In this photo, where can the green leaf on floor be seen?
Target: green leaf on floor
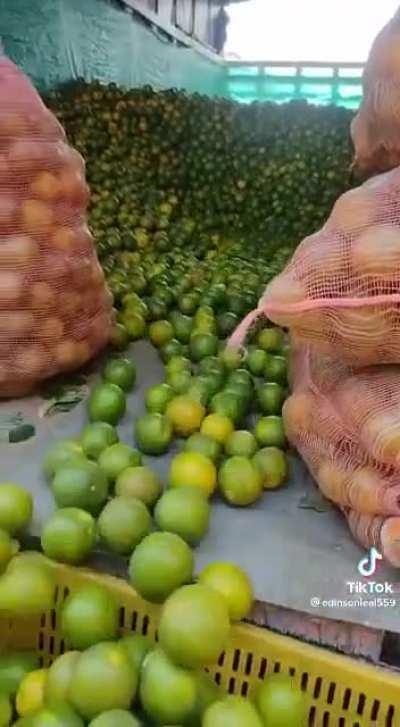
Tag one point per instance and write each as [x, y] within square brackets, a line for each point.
[314, 500]
[64, 399]
[14, 428]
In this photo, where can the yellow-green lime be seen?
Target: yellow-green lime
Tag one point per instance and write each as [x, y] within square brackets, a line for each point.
[59, 677]
[192, 469]
[153, 434]
[269, 431]
[107, 403]
[137, 647]
[120, 371]
[241, 443]
[273, 465]
[69, 535]
[184, 511]
[233, 711]
[16, 508]
[116, 458]
[270, 339]
[96, 437]
[80, 485]
[160, 332]
[270, 398]
[233, 584]
[167, 692]
[89, 615]
[115, 718]
[281, 703]
[59, 454]
[159, 565]
[240, 481]
[185, 415]
[205, 445]
[123, 523]
[139, 482]
[157, 398]
[218, 427]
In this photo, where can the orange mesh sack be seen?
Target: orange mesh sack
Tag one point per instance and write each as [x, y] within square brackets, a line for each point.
[55, 310]
[341, 289]
[346, 426]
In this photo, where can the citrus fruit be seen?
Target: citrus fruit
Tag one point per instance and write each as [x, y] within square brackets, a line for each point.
[270, 339]
[122, 372]
[233, 584]
[241, 443]
[84, 486]
[218, 427]
[54, 715]
[179, 381]
[139, 482]
[280, 703]
[14, 665]
[157, 398]
[96, 437]
[212, 365]
[184, 511]
[137, 647]
[232, 712]
[207, 693]
[270, 398]
[115, 718]
[205, 445]
[275, 369]
[256, 360]
[192, 469]
[116, 458]
[269, 431]
[89, 615]
[160, 332]
[153, 433]
[185, 415]
[240, 376]
[119, 337]
[273, 465]
[123, 524]
[227, 323]
[227, 404]
[178, 363]
[16, 507]
[107, 403]
[6, 710]
[27, 587]
[59, 454]
[171, 349]
[161, 563]
[8, 548]
[167, 692]
[103, 680]
[30, 695]
[59, 677]
[199, 390]
[194, 626]
[240, 481]
[182, 326]
[202, 345]
[69, 535]
[231, 358]
[134, 324]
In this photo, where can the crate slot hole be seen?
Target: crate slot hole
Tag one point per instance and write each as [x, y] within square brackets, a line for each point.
[43, 620]
[145, 625]
[326, 720]
[342, 722]
[232, 685]
[346, 699]
[317, 687]
[62, 646]
[292, 671]
[312, 716]
[248, 665]
[331, 693]
[51, 645]
[390, 717]
[277, 667]
[121, 617]
[375, 709]
[236, 660]
[245, 689]
[221, 659]
[66, 593]
[134, 621]
[53, 617]
[218, 679]
[361, 704]
[41, 641]
[263, 668]
[304, 681]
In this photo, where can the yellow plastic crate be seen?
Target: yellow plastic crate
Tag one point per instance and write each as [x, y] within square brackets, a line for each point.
[342, 692]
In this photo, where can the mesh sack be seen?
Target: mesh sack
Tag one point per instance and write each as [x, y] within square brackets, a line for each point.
[55, 310]
[341, 290]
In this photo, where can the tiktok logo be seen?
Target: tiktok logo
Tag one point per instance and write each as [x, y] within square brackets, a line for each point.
[367, 566]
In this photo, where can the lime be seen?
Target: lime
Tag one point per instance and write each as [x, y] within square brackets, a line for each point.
[192, 469]
[203, 444]
[178, 363]
[59, 454]
[137, 648]
[16, 507]
[123, 523]
[240, 481]
[54, 715]
[269, 431]
[188, 303]
[212, 365]
[30, 695]
[116, 458]
[227, 323]
[161, 563]
[27, 587]
[182, 326]
[157, 308]
[179, 381]
[240, 377]
[270, 398]
[157, 397]
[218, 427]
[8, 548]
[256, 360]
[121, 371]
[89, 615]
[84, 486]
[232, 711]
[153, 433]
[59, 677]
[194, 626]
[185, 512]
[6, 710]
[171, 349]
[228, 405]
[275, 369]
[185, 415]
[273, 465]
[167, 692]
[139, 482]
[231, 358]
[107, 403]
[270, 339]
[199, 390]
[69, 535]
[13, 667]
[233, 584]
[119, 337]
[160, 333]
[114, 718]
[207, 693]
[280, 703]
[241, 443]
[202, 345]
[96, 437]
[134, 324]
[103, 680]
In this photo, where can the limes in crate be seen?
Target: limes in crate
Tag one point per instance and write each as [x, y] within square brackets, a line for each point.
[116, 718]
[69, 535]
[116, 458]
[107, 403]
[59, 677]
[16, 507]
[192, 469]
[167, 692]
[27, 587]
[233, 584]
[137, 647]
[89, 615]
[273, 465]
[14, 665]
[161, 563]
[8, 548]
[185, 512]
[123, 523]
[232, 711]
[96, 437]
[31, 692]
[122, 372]
[240, 481]
[153, 434]
[5, 710]
[139, 482]
[281, 703]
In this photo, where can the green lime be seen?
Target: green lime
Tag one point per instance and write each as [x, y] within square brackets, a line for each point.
[184, 511]
[137, 648]
[205, 445]
[59, 677]
[270, 398]
[27, 588]
[281, 703]
[157, 398]
[270, 339]
[139, 482]
[69, 535]
[256, 360]
[14, 665]
[54, 715]
[120, 371]
[89, 615]
[269, 431]
[233, 711]
[170, 350]
[192, 469]
[8, 548]
[241, 443]
[16, 508]
[188, 303]
[202, 345]
[228, 405]
[233, 584]
[159, 565]
[185, 414]
[116, 458]
[212, 365]
[160, 333]
[115, 718]
[119, 337]
[231, 358]
[167, 692]
[240, 481]
[178, 363]
[107, 403]
[182, 326]
[227, 323]
[153, 434]
[273, 465]
[123, 523]
[275, 369]
[96, 437]
[179, 381]
[135, 325]
[59, 454]
[84, 486]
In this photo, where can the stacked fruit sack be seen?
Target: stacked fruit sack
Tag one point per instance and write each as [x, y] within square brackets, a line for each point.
[55, 311]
